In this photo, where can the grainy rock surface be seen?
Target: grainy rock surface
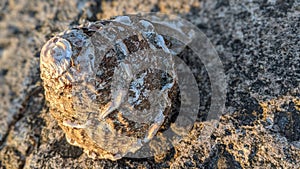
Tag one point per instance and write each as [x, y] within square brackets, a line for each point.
[258, 43]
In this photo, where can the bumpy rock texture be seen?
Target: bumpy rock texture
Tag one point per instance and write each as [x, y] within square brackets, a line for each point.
[258, 43]
[100, 78]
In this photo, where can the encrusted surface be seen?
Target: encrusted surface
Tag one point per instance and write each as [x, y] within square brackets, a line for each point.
[257, 41]
[108, 83]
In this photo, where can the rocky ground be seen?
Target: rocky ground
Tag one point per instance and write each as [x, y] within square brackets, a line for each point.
[257, 41]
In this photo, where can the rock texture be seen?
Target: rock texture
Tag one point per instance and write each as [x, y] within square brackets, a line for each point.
[107, 94]
[258, 43]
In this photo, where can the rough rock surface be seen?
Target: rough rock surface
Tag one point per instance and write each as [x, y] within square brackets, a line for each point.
[257, 41]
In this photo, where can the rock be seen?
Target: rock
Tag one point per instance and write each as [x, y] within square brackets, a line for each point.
[257, 42]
